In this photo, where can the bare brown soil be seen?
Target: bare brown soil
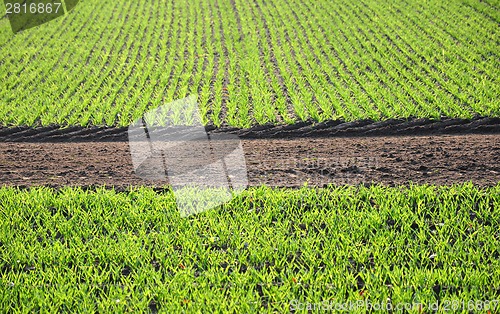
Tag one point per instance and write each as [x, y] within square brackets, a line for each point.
[290, 162]
[309, 129]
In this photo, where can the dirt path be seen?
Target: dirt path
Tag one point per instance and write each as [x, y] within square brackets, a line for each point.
[439, 159]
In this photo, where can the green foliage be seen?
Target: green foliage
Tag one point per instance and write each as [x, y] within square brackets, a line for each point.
[101, 250]
[108, 62]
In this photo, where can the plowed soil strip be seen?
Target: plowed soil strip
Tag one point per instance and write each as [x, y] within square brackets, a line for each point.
[440, 159]
[479, 125]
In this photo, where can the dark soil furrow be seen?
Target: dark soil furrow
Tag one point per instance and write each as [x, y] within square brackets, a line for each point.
[415, 126]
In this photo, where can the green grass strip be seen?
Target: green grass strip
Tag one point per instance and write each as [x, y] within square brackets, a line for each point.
[101, 250]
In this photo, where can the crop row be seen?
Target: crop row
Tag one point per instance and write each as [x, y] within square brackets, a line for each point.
[258, 62]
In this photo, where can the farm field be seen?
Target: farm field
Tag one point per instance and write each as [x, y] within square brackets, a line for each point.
[277, 62]
[70, 249]
[370, 132]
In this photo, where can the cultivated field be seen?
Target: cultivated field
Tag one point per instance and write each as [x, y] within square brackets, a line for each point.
[370, 130]
[73, 250]
[252, 63]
